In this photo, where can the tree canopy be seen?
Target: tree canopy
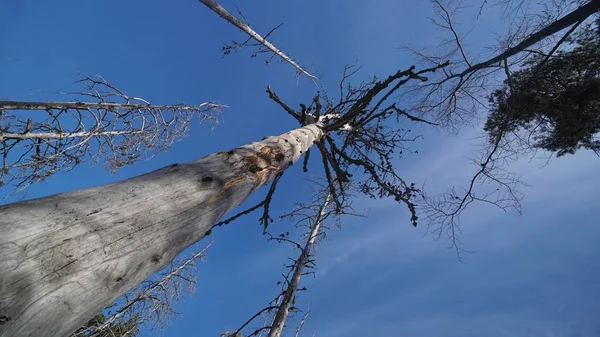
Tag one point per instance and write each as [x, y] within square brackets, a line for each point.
[554, 98]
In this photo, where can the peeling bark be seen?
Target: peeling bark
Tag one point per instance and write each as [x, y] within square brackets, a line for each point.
[65, 257]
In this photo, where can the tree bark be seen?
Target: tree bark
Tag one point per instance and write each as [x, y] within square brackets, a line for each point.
[65, 257]
[160, 290]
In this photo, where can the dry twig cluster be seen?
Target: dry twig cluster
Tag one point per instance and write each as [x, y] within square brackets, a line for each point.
[111, 127]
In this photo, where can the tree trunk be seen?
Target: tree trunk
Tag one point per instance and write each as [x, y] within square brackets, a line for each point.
[65, 257]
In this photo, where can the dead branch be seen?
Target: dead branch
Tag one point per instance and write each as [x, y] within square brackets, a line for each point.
[290, 293]
[360, 135]
[222, 12]
[443, 212]
[311, 216]
[265, 204]
[116, 129]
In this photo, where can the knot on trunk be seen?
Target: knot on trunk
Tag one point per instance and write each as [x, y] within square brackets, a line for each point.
[264, 163]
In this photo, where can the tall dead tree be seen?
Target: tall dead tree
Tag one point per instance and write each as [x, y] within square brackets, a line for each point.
[289, 296]
[310, 220]
[222, 12]
[69, 255]
[300, 264]
[65, 257]
[38, 139]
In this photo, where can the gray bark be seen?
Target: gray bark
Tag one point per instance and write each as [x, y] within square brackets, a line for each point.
[65, 257]
[159, 296]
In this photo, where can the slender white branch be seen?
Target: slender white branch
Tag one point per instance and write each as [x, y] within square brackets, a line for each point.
[17, 105]
[215, 7]
[50, 135]
[290, 293]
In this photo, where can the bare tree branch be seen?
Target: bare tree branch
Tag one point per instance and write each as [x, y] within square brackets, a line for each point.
[310, 216]
[290, 293]
[117, 129]
[215, 7]
[265, 204]
[459, 93]
[576, 16]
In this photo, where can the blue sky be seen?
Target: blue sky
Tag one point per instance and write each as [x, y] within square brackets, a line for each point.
[533, 274]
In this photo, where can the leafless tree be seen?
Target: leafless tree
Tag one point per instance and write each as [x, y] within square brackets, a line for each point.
[140, 224]
[112, 128]
[309, 218]
[222, 12]
[69, 255]
[303, 261]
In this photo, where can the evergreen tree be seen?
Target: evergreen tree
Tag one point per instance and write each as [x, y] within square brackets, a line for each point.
[554, 98]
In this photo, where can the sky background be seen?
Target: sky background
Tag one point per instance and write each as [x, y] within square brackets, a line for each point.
[534, 274]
